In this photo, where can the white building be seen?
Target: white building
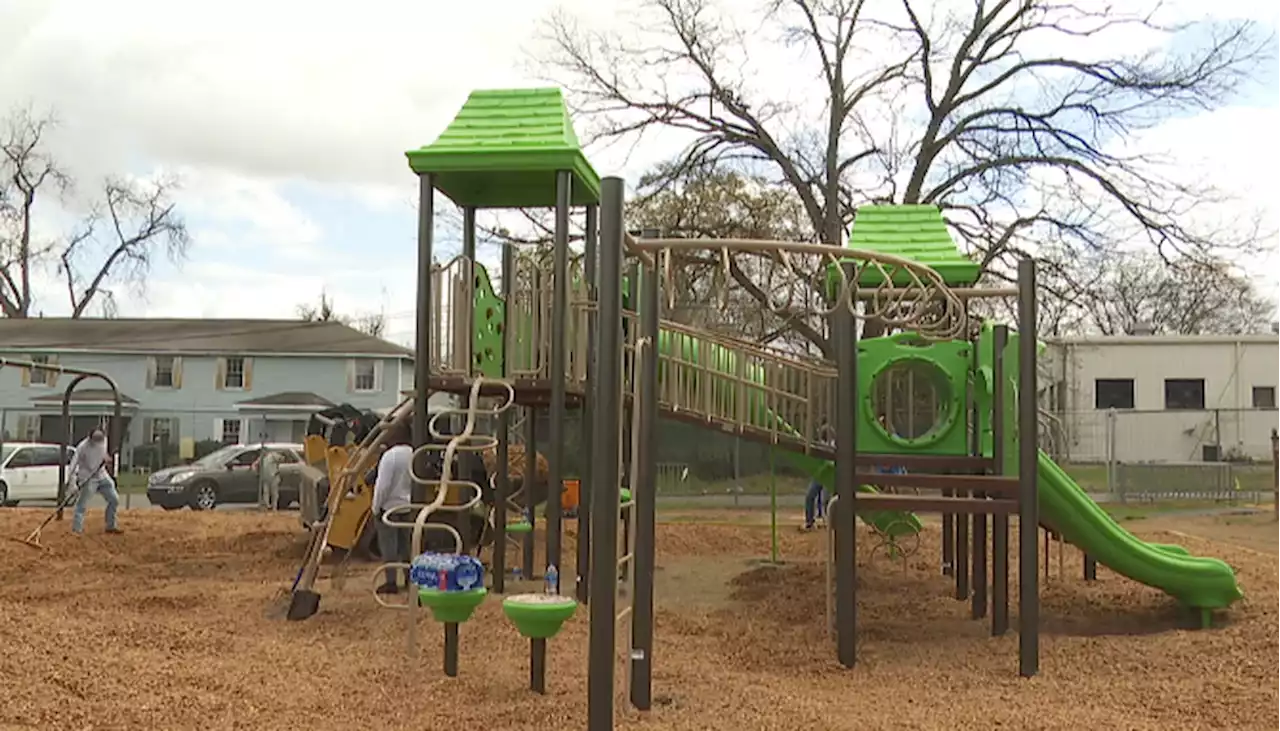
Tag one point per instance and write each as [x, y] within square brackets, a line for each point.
[1176, 398]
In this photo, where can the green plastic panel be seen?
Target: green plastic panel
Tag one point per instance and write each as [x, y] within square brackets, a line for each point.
[486, 347]
[503, 150]
[948, 362]
[915, 232]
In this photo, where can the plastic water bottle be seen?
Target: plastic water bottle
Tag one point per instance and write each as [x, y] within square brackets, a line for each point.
[552, 580]
[469, 574]
[448, 572]
[418, 572]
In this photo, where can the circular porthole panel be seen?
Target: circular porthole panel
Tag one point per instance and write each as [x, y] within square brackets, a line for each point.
[911, 401]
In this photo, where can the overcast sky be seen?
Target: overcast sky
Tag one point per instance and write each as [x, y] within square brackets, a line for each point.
[288, 123]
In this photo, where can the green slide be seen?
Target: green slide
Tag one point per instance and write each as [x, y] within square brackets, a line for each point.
[1203, 583]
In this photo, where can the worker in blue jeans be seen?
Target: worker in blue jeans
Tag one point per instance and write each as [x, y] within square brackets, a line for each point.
[815, 500]
[90, 471]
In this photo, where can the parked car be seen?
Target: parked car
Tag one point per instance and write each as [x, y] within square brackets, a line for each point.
[224, 476]
[29, 471]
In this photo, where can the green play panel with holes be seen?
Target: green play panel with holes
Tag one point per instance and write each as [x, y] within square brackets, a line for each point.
[490, 311]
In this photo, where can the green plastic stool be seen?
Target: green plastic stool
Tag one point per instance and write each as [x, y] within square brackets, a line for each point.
[452, 607]
[539, 616]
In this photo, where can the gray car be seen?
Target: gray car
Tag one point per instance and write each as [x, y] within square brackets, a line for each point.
[224, 476]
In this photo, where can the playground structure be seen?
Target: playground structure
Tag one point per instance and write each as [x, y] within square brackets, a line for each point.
[574, 333]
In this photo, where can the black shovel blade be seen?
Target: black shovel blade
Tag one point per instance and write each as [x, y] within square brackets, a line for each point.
[302, 605]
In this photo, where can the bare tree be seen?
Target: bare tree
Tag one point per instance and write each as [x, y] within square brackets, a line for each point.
[710, 202]
[113, 247]
[990, 113]
[1186, 297]
[325, 311]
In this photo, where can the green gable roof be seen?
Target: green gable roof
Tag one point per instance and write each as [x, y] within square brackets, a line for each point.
[503, 150]
[913, 232]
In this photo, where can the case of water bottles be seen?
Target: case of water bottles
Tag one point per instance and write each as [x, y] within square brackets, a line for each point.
[447, 572]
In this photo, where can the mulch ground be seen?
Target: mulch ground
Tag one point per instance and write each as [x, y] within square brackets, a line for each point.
[175, 625]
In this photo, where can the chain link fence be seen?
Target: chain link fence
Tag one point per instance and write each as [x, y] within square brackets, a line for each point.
[1217, 455]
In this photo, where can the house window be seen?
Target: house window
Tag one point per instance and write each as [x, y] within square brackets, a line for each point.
[230, 431]
[163, 367]
[162, 430]
[233, 375]
[366, 375]
[28, 428]
[1184, 393]
[39, 376]
[1264, 397]
[1113, 393]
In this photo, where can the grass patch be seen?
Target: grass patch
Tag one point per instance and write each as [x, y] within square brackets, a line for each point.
[131, 482]
[1138, 511]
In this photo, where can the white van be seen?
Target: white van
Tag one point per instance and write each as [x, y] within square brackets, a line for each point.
[29, 471]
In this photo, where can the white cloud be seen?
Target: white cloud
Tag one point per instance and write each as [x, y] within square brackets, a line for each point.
[256, 204]
[329, 94]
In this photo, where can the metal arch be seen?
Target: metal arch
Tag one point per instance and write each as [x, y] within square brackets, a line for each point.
[82, 374]
[113, 437]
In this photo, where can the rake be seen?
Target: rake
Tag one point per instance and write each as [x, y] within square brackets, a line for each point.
[33, 539]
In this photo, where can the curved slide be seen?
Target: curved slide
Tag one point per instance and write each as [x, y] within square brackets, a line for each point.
[1203, 583]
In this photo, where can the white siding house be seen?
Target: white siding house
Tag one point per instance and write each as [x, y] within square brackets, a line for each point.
[184, 382]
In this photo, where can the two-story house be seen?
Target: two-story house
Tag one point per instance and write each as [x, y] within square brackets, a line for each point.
[187, 381]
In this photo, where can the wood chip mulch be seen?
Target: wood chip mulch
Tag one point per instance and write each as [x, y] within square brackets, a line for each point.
[176, 625]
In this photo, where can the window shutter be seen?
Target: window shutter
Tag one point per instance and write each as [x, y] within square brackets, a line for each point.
[148, 434]
[151, 375]
[377, 375]
[351, 375]
[217, 430]
[248, 378]
[220, 382]
[26, 377]
[177, 374]
[51, 377]
[23, 426]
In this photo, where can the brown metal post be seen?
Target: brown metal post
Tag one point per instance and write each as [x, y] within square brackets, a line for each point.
[999, 523]
[1275, 474]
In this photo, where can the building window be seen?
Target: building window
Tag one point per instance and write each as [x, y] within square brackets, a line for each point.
[230, 431]
[1113, 393]
[39, 376]
[28, 428]
[1264, 397]
[233, 374]
[366, 375]
[162, 372]
[162, 430]
[1184, 393]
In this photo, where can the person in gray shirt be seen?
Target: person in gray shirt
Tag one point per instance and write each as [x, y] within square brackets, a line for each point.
[91, 470]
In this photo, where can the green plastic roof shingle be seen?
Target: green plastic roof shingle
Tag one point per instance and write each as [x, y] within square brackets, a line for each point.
[503, 150]
[916, 232]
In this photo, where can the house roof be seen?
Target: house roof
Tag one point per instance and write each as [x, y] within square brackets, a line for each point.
[85, 395]
[182, 336]
[289, 398]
